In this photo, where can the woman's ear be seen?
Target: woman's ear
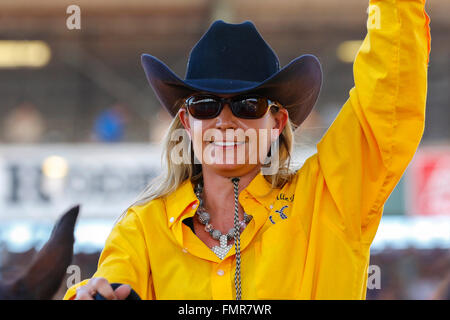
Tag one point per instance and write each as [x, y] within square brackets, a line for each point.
[281, 118]
[184, 119]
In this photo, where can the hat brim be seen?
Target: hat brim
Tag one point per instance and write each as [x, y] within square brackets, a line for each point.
[296, 86]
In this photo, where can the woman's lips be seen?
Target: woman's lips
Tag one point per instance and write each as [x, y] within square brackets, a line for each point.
[227, 144]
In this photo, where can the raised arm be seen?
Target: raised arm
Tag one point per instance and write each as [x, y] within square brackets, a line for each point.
[367, 148]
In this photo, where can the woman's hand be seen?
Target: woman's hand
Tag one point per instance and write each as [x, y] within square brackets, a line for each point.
[103, 287]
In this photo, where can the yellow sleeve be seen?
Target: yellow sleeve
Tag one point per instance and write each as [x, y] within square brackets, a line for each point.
[368, 146]
[124, 258]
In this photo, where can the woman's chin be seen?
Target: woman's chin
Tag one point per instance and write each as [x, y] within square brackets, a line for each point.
[232, 169]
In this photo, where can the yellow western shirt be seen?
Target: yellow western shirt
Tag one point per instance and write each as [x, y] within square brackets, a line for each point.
[310, 239]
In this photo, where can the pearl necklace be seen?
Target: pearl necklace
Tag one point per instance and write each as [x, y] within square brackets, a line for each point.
[205, 218]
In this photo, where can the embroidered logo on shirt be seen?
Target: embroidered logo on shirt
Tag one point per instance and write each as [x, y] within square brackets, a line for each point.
[282, 196]
[281, 213]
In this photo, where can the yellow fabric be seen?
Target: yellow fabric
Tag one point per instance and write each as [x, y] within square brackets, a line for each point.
[333, 206]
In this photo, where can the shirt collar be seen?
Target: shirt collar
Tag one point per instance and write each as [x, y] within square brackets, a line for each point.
[180, 201]
[184, 199]
[261, 190]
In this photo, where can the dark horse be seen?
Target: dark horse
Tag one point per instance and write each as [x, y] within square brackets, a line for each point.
[43, 277]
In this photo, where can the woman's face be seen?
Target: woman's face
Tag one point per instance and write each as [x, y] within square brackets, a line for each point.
[233, 146]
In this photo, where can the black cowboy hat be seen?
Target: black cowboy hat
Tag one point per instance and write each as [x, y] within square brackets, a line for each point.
[234, 59]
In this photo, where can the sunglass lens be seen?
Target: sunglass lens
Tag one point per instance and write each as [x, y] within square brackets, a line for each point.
[203, 107]
[250, 108]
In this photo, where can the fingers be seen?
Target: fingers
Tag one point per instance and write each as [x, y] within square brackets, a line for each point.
[84, 293]
[122, 292]
[94, 285]
[103, 287]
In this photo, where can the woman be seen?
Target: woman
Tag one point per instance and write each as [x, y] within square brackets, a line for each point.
[278, 235]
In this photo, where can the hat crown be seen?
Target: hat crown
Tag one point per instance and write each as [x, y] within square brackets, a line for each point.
[232, 51]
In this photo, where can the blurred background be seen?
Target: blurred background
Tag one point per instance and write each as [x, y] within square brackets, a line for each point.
[80, 124]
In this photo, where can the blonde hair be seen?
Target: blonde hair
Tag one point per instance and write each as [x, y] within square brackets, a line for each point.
[174, 175]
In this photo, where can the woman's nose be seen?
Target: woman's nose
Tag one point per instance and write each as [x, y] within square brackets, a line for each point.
[226, 118]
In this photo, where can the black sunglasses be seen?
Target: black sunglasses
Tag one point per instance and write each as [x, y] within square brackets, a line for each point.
[205, 106]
